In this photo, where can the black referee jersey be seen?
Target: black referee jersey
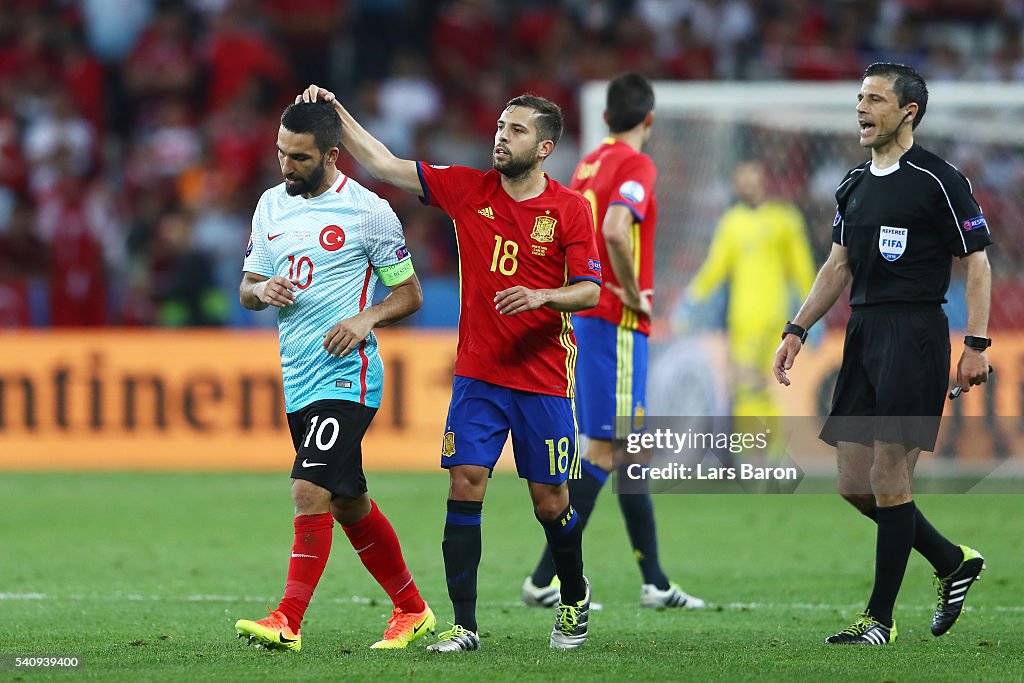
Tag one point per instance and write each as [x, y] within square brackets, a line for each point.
[902, 226]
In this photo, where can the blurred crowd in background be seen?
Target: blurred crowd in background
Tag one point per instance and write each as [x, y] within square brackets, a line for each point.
[137, 135]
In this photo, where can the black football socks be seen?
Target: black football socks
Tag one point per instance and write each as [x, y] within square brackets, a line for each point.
[638, 512]
[895, 539]
[461, 549]
[943, 555]
[565, 541]
[583, 494]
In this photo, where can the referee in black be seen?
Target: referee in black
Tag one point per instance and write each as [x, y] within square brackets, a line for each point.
[900, 220]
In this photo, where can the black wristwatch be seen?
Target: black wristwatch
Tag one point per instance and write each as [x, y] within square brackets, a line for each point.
[977, 343]
[792, 328]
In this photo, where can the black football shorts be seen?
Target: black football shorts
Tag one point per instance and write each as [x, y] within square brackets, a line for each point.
[894, 377]
[328, 437]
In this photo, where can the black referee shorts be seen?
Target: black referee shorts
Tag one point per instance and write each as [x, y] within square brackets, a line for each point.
[894, 377]
[328, 437]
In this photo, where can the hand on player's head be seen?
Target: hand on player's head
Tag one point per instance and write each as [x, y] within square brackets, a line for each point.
[311, 93]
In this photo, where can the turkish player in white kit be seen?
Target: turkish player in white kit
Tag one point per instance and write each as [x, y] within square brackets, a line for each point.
[319, 243]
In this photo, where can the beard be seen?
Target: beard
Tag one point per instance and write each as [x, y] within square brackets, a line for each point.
[513, 167]
[306, 185]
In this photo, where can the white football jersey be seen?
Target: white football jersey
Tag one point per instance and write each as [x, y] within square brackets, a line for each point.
[336, 244]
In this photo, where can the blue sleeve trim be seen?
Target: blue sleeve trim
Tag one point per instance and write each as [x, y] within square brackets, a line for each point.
[423, 183]
[587, 278]
[632, 210]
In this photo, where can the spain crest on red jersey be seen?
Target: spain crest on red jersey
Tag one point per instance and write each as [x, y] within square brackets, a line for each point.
[544, 229]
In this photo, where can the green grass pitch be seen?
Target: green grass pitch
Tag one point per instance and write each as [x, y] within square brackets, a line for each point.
[143, 576]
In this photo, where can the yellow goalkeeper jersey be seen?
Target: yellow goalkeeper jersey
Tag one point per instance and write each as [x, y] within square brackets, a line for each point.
[763, 255]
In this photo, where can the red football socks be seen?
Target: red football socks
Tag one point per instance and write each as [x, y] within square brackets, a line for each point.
[310, 551]
[374, 540]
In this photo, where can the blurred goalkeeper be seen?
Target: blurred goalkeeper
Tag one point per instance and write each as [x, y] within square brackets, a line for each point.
[611, 375]
[900, 220]
[760, 252]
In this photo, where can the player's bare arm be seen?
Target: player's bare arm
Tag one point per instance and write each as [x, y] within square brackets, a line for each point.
[257, 292]
[616, 226]
[973, 365]
[578, 296]
[405, 298]
[832, 279]
[366, 149]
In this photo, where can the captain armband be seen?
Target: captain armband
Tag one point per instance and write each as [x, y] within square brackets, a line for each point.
[396, 273]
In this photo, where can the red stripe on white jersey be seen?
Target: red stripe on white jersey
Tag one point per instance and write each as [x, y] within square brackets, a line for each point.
[362, 345]
[362, 372]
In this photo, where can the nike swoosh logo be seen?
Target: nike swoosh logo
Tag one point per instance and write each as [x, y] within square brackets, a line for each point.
[307, 463]
[280, 635]
[271, 238]
[420, 627]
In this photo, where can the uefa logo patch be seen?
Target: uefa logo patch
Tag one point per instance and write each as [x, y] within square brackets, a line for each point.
[892, 242]
[975, 223]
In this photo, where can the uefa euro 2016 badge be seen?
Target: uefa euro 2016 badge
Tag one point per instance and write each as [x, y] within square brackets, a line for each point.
[892, 242]
[632, 191]
[544, 229]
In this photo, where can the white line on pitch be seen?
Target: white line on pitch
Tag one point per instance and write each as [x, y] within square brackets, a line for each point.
[359, 599]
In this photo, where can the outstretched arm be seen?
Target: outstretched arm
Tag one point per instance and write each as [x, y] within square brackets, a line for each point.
[832, 279]
[366, 149]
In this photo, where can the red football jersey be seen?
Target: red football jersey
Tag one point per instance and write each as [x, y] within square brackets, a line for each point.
[541, 243]
[615, 173]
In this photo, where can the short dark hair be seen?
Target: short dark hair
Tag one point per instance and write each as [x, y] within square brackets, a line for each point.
[318, 118]
[549, 115]
[908, 85]
[630, 99]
